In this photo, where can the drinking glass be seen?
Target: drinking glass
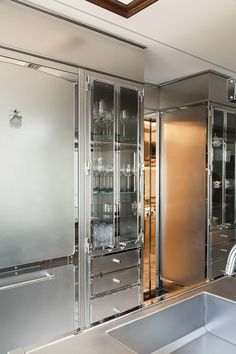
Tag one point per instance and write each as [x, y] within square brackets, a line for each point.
[124, 117]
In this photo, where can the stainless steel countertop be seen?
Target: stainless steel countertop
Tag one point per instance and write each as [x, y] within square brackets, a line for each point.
[97, 341]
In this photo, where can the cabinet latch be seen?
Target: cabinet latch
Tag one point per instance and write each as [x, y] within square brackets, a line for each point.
[88, 168]
[141, 167]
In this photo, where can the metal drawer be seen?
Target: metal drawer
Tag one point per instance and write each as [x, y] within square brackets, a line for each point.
[36, 307]
[114, 262]
[217, 268]
[222, 236]
[113, 304]
[114, 281]
[221, 251]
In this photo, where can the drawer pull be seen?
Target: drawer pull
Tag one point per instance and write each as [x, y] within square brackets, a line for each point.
[116, 260]
[115, 309]
[35, 280]
[115, 280]
[224, 250]
[225, 236]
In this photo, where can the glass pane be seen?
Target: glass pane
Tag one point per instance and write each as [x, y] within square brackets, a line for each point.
[102, 150]
[217, 165]
[128, 229]
[230, 169]
[127, 124]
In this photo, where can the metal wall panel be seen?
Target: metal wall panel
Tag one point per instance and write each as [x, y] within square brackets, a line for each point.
[184, 91]
[37, 166]
[207, 86]
[183, 195]
[37, 32]
[151, 96]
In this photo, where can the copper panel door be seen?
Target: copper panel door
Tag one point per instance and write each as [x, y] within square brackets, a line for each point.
[183, 195]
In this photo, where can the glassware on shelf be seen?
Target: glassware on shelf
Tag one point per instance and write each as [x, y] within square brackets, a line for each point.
[109, 182]
[102, 119]
[107, 210]
[124, 118]
[127, 173]
[103, 176]
[100, 168]
[102, 234]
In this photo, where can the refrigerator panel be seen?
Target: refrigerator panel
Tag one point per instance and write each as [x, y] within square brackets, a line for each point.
[37, 166]
[183, 195]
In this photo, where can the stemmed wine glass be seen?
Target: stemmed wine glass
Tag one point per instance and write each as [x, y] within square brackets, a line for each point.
[124, 118]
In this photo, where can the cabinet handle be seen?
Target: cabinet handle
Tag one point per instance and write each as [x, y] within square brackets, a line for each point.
[27, 282]
[224, 250]
[115, 280]
[115, 309]
[225, 236]
[116, 260]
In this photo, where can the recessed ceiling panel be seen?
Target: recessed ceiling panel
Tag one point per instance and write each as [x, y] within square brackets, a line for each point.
[125, 8]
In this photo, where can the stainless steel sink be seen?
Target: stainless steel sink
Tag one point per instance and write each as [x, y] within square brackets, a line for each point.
[202, 324]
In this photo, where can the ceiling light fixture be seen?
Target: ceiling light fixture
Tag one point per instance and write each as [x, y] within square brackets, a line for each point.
[125, 8]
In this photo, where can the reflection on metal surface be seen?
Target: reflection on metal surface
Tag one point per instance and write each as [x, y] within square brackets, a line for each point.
[183, 195]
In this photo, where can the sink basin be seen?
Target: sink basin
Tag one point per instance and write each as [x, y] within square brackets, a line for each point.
[202, 324]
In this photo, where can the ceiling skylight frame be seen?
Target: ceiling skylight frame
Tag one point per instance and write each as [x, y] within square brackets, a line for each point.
[120, 8]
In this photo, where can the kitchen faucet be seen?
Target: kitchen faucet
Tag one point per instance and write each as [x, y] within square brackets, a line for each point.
[231, 262]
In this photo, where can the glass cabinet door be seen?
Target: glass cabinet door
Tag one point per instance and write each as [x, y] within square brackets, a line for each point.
[102, 160]
[217, 168]
[230, 138]
[128, 163]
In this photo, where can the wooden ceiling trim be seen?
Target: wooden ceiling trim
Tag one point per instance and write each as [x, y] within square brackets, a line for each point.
[121, 9]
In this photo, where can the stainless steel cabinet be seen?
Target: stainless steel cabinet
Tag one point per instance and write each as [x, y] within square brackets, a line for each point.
[37, 164]
[36, 307]
[222, 188]
[113, 197]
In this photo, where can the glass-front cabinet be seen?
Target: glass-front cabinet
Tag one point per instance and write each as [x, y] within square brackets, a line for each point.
[113, 202]
[222, 188]
[115, 148]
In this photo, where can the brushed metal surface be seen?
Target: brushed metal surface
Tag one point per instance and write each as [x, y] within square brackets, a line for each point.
[183, 195]
[217, 268]
[202, 324]
[47, 35]
[113, 304]
[221, 251]
[114, 262]
[116, 280]
[222, 236]
[184, 91]
[205, 86]
[32, 313]
[37, 166]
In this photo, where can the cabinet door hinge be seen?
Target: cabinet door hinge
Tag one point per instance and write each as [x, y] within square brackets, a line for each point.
[87, 84]
[210, 170]
[141, 94]
[141, 167]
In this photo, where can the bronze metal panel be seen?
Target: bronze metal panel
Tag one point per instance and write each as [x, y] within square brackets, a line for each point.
[183, 195]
